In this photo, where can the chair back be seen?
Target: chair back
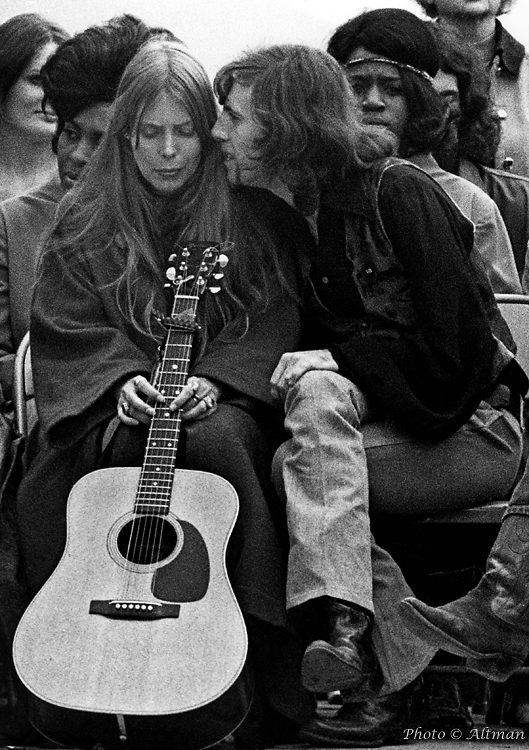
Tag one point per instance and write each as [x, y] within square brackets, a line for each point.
[22, 386]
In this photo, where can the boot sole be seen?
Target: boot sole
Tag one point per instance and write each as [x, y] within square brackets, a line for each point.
[494, 666]
[326, 741]
[322, 671]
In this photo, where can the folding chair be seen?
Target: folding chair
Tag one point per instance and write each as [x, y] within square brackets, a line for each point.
[22, 386]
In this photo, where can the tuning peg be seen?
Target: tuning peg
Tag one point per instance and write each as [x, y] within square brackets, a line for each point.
[171, 274]
[172, 257]
[218, 275]
[214, 289]
[223, 260]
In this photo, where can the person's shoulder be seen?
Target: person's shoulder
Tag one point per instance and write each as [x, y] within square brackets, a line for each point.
[49, 193]
[263, 201]
[504, 176]
[395, 173]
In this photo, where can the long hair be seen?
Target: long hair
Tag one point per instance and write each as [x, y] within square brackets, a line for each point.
[21, 38]
[475, 129]
[400, 36]
[112, 210]
[302, 102]
[430, 7]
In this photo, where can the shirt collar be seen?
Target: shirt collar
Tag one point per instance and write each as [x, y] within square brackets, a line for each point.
[510, 51]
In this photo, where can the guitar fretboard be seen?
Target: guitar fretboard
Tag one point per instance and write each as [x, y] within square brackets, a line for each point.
[156, 479]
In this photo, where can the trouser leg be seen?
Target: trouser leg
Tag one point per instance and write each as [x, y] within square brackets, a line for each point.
[324, 475]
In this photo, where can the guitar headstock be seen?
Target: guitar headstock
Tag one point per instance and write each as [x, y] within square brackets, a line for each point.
[197, 267]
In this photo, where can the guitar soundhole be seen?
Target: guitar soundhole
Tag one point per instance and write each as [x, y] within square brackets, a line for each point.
[146, 540]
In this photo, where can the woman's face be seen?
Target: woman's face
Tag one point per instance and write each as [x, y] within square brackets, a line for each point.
[22, 107]
[165, 145]
[377, 92]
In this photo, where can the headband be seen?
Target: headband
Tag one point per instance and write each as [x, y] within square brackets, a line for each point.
[387, 60]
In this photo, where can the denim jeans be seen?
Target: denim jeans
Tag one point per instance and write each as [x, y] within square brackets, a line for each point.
[342, 460]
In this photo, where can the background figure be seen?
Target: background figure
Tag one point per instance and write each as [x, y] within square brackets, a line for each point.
[507, 62]
[407, 104]
[79, 81]
[472, 139]
[26, 158]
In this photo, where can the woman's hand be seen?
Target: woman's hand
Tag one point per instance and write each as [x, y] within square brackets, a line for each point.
[132, 401]
[197, 399]
[293, 365]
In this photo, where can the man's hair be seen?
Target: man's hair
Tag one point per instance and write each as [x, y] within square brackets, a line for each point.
[401, 36]
[430, 8]
[21, 38]
[477, 128]
[86, 69]
[303, 105]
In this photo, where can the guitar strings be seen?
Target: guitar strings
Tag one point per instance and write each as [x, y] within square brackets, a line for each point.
[147, 529]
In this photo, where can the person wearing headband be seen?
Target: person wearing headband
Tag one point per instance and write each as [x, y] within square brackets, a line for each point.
[391, 61]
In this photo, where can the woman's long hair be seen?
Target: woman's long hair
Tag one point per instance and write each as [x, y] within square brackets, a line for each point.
[21, 38]
[112, 206]
[304, 106]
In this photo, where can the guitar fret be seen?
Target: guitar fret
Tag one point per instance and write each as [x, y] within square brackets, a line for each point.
[156, 481]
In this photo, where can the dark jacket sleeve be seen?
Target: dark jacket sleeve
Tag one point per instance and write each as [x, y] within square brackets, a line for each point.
[245, 364]
[81, 347]
[432, 378]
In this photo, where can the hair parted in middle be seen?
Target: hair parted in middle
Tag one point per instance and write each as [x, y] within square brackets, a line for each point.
[111, 212]
[401, 36]
[112, 200]
[302, 102]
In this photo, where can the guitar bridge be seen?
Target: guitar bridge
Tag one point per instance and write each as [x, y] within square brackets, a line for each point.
[123, 609]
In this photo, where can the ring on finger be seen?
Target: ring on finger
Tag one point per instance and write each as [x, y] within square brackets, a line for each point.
[125, 406]
[208, 400]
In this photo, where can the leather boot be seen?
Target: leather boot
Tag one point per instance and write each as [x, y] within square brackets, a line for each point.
[372, 723]
[346, 660]
[490, 625]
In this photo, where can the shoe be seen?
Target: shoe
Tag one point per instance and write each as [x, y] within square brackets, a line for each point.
[490, 625]
[443, 705]
[346, 660]
[372, 723]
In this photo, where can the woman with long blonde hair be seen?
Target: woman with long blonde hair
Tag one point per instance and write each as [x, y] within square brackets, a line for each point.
[155, 185]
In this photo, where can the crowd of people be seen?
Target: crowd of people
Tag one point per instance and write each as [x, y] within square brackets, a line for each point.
[373, 198]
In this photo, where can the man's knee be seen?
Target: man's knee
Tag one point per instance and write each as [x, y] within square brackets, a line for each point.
[320, 382]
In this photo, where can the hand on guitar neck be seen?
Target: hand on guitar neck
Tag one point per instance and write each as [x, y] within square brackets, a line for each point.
[198, 399]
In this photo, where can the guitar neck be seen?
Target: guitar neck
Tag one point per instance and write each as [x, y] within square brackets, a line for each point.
[156, 478]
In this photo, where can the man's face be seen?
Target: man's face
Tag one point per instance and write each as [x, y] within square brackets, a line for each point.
[378, 93]
[467, 9]
[78, 141]
[236, 130]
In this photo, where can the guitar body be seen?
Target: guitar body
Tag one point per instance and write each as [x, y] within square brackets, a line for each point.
[137, 635]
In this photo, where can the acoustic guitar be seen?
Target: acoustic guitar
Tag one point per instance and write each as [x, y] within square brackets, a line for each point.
[137, 640]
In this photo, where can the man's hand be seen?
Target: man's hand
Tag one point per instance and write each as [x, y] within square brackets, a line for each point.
[293, 365]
